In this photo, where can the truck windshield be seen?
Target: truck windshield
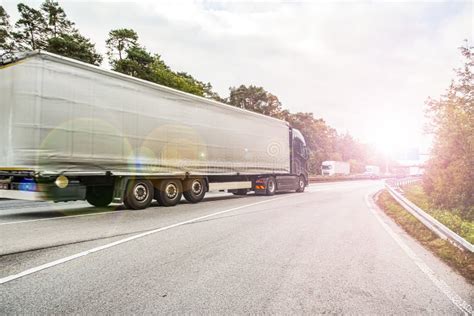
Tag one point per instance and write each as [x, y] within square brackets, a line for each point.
[299, 144]
[326, 167]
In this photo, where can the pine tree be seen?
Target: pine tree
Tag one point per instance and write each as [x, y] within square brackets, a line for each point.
[56, 19]
[7, 45]
[30, 29]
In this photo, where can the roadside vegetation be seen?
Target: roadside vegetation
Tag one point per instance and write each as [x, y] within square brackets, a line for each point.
[49, 28]
[449, 177]
[459, 222]
[461, 261]
[447, 189]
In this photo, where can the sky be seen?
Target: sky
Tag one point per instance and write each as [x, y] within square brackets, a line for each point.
[365, 67]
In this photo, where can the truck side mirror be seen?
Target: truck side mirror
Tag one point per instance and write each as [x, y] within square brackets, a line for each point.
[305, 152]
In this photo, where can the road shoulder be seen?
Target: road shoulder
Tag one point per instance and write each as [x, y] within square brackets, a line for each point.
[458, 289]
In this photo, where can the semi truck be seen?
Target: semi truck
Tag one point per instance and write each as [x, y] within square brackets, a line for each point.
[372, 171]
[334, 168]
[74, 131]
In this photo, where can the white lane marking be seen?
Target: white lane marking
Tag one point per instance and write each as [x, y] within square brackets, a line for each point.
[440, 284]
[121, 241]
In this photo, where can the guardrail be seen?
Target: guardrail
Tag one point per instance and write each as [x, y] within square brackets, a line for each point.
[433, 224]
[319, 178]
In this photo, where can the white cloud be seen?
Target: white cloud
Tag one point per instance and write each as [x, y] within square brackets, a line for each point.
[352, 63]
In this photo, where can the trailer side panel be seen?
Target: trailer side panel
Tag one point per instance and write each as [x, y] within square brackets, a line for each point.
[69, 116]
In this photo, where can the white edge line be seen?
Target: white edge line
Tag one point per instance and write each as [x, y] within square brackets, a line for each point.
[121, 241]
[440, 284]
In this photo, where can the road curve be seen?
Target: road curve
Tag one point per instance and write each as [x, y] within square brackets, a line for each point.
[327, 250]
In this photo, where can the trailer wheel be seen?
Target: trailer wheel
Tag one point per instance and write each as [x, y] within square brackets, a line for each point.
[139, 194]
[169, 192]
[194, 190]
[271, 186]
[301, 184]
[99, 196]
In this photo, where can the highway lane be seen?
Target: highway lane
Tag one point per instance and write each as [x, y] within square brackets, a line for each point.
[321, 251]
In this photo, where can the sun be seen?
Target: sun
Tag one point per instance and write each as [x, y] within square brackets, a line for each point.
[392, 138]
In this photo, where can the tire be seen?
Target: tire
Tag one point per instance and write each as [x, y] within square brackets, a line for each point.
[99, 196]
[240, 192]
[169, 192]
[271, 186]
[139, 194]
[301, 185]
[194, 190]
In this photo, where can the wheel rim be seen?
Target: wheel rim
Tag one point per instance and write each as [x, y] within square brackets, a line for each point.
[196, 187]
[171, 191]
[140, 192]
[271, 186]
[301, 183]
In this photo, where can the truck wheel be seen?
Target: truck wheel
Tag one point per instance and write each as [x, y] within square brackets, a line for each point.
[99, 196]
[139, 194]
[169, 192]
[301, 184]
[194, 190]
[271, 186]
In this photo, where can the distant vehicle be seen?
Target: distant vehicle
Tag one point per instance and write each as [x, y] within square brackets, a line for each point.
[73, 131]
[416, 171]
[372, 171]
[333, 168]
[407, 171]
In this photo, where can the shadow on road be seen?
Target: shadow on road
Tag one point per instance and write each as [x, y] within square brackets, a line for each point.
[55, 210]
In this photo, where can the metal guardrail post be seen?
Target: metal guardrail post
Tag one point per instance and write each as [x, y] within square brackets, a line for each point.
[433, 224]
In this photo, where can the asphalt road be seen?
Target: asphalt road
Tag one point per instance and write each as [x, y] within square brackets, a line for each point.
[328, 250]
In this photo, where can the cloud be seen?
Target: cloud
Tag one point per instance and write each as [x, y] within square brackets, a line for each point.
[352, 63]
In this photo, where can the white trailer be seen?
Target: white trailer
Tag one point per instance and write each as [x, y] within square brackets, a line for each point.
[333, 168]
[70, 130]
[372, 171]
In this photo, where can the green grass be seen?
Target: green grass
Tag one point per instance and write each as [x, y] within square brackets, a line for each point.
[461, 261]
[451, 218]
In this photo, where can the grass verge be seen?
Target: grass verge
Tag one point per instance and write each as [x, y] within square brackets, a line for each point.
[461, 261]
[453, 219]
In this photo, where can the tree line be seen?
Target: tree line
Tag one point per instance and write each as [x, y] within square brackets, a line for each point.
[449, 176]
[49, 28]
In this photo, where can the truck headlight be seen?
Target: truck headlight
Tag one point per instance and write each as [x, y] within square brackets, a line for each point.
[61, 182]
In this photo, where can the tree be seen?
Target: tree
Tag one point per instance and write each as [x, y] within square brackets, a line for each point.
[211, 94]
[119, 42]
[74, 46]
[7, 45]
[50, 29]
[57, 22]
[30, 28]
[320, 138]
[355, 152]
[127, 56]
[255, 99]
[323, 141]
[137, 63]
[449, 173]
[63, 38]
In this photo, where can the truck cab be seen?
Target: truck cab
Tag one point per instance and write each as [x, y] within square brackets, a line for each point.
[299, 155]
